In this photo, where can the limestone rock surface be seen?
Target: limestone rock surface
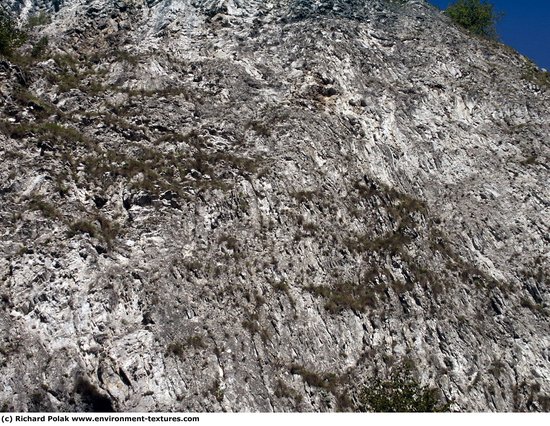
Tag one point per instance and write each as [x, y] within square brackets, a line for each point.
[249, 205]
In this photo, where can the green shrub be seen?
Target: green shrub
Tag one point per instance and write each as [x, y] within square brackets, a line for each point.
[479, 17]
[10, 36]
[400, 393]
[346, 295]
[82, 227]
[39, 48]
[49, 210]
[38, 20]
[326, 381]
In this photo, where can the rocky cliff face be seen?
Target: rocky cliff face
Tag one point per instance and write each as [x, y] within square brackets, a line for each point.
[248, 205]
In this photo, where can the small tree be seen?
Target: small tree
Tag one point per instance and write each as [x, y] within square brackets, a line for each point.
[400, 393]
[476, 16]
[10, 36]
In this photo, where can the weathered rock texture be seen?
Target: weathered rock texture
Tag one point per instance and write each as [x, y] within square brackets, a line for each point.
[248, 205]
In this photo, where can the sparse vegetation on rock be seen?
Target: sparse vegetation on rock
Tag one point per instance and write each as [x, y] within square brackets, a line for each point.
[11, 36]
[400, 393]
[255, 208]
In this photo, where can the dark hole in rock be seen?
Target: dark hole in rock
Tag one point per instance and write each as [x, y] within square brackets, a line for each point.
[127, 203]
[147, 319]
[142, 199]
[124, 377]
[100, 249]
[91, 396]
[100, 201]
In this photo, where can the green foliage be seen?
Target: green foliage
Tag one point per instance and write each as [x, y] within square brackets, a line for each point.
[39, 48]
[10, 36]
[537, 76]
[82, 227]
[346, 295]
[46, 131]
[326, 381]
[106, 231]
[400, 393]
[49, 210]
[38, 20]
[479, 17]
[282, 390]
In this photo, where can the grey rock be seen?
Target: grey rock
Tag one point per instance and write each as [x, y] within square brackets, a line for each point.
[299, 196]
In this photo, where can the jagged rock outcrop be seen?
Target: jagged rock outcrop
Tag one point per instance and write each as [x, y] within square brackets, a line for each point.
[247, 205]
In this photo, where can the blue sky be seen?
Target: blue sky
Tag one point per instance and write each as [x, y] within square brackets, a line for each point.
[525, 26]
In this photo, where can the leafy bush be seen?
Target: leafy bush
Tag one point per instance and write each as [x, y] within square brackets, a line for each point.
[400, 393]
[477, 16]
[38, 20]
[10, 36]
[39, 48]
